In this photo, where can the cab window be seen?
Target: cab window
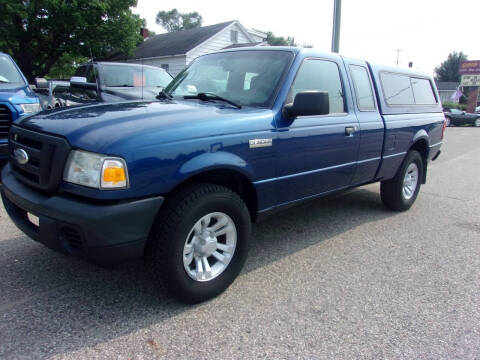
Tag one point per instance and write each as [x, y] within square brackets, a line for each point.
[320, 75]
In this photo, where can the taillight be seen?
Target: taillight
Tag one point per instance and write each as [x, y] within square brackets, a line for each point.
[443, 127]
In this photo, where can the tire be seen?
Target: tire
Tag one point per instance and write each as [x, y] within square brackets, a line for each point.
[395, 193]
[173, 232]
[477, 123]
[448, 121]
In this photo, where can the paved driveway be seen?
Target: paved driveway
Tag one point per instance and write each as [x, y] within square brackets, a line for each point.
[340, 277]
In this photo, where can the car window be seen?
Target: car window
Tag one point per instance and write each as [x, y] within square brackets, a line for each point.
[249, 78]
[363, 88]
[397, 89]
[134, 76]
[423, 91]
[455, 111]
[320, 75]
[92, 74]
[9, 72]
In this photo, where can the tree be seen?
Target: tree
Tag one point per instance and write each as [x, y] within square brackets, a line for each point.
[448, 70]
[174, 21]
[65, 66]
[279, 40]
[37, 33]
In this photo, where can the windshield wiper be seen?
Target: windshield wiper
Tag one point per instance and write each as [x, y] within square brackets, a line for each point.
[4, 82]
[163, 95]
[206, 96]
[124, 85]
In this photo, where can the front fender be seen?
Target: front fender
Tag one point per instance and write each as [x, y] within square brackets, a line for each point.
[211, 161]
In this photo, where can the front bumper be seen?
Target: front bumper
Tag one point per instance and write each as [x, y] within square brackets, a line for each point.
[104, 233]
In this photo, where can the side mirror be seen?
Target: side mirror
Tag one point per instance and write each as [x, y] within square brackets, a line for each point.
[41, 83]
[308, 103]
[78, 79]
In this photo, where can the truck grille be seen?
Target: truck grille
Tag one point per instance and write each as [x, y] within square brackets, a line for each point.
[46, 158]
[5, 121]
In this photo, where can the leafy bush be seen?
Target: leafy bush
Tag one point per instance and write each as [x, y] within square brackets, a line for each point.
[451, 105]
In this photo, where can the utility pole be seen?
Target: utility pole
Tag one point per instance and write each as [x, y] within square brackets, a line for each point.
[398, 55]
[337, 15]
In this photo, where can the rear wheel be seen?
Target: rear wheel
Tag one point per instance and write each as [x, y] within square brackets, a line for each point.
[477, 122]
[200, 242]
[448, 122]
[400, 193]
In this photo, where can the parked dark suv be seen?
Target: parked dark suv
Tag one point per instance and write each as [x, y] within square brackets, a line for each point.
[116, 82]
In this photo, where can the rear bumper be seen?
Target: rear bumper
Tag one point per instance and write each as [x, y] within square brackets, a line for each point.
[103, 233]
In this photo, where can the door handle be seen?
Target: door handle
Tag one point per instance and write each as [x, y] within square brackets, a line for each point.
[350, 130]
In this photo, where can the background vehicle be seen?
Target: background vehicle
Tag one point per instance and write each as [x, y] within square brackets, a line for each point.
[180, 180]
[16, 99]
[51, 93]
[115, 82]
[455, 117]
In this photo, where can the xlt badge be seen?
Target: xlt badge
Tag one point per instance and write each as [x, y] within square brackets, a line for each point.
[256, 143]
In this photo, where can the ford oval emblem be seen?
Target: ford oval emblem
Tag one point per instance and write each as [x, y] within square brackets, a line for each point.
[21, 156]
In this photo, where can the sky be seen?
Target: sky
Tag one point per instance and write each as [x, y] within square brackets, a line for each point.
[425, 31]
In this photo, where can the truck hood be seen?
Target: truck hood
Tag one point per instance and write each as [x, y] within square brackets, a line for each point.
[112, 128]
[16, 94]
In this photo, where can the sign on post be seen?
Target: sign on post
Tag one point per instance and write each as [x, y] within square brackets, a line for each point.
[469, 67]
[470, 80]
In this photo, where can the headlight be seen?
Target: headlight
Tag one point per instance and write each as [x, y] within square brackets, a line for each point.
[95, 170]
[30, 108]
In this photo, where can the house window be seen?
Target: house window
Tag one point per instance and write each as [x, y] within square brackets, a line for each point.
[165, 67]
[234, 36]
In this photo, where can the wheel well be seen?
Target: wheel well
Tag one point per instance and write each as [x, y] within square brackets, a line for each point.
[234, 180]
[422, 147]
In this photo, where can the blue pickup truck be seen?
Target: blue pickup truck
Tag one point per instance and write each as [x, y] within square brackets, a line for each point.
[237, 135]
[16, 99]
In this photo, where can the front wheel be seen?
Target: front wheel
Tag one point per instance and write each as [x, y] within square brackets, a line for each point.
[448, 122]
[400, 193]
[477, 122]
[200, 242]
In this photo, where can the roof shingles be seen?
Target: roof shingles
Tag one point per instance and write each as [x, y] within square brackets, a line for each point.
[175, 43]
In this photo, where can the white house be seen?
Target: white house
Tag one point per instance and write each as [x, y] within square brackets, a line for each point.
[173, 51]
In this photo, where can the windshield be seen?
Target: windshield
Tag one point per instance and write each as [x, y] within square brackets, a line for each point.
[131, 76]
[248, 77]
[9, 73]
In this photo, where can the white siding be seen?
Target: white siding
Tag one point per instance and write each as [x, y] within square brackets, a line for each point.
[217, 42]
[175, 63]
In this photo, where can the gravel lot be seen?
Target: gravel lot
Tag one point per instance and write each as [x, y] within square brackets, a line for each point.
[340, 277]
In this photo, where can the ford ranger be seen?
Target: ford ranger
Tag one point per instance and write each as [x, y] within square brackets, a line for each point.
[235, 136]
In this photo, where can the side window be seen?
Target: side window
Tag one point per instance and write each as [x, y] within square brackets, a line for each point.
[234, 36]
[423, 92]
[320, 75]
[247, 82]
[397, 89]
[92, 74]
[363, 88]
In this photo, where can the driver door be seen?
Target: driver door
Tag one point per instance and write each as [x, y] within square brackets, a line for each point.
[318, 154]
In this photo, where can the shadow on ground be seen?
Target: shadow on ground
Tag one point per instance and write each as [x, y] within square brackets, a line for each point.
[51, 304]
